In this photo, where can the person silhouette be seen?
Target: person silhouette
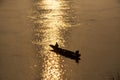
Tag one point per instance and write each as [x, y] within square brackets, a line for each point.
[56, 45]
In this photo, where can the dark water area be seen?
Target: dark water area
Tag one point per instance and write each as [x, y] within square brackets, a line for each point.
[27, 28]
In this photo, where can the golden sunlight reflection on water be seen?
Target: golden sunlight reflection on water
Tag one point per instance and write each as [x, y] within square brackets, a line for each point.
[49, 19]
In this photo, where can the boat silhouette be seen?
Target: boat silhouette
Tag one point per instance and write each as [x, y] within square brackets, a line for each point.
[66, 53]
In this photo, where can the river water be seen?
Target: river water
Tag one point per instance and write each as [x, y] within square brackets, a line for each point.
[29, 27]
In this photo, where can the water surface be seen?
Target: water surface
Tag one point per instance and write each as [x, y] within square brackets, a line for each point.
[28, 27]
[51, 20]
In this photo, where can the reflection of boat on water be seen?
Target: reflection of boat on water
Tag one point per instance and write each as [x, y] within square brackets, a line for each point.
[66, 53]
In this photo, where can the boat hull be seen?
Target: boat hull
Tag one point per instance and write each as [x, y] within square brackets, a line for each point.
[66, 53]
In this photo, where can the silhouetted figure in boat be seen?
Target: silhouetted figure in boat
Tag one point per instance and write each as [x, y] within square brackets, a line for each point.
[67, 53]
[56, 45]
